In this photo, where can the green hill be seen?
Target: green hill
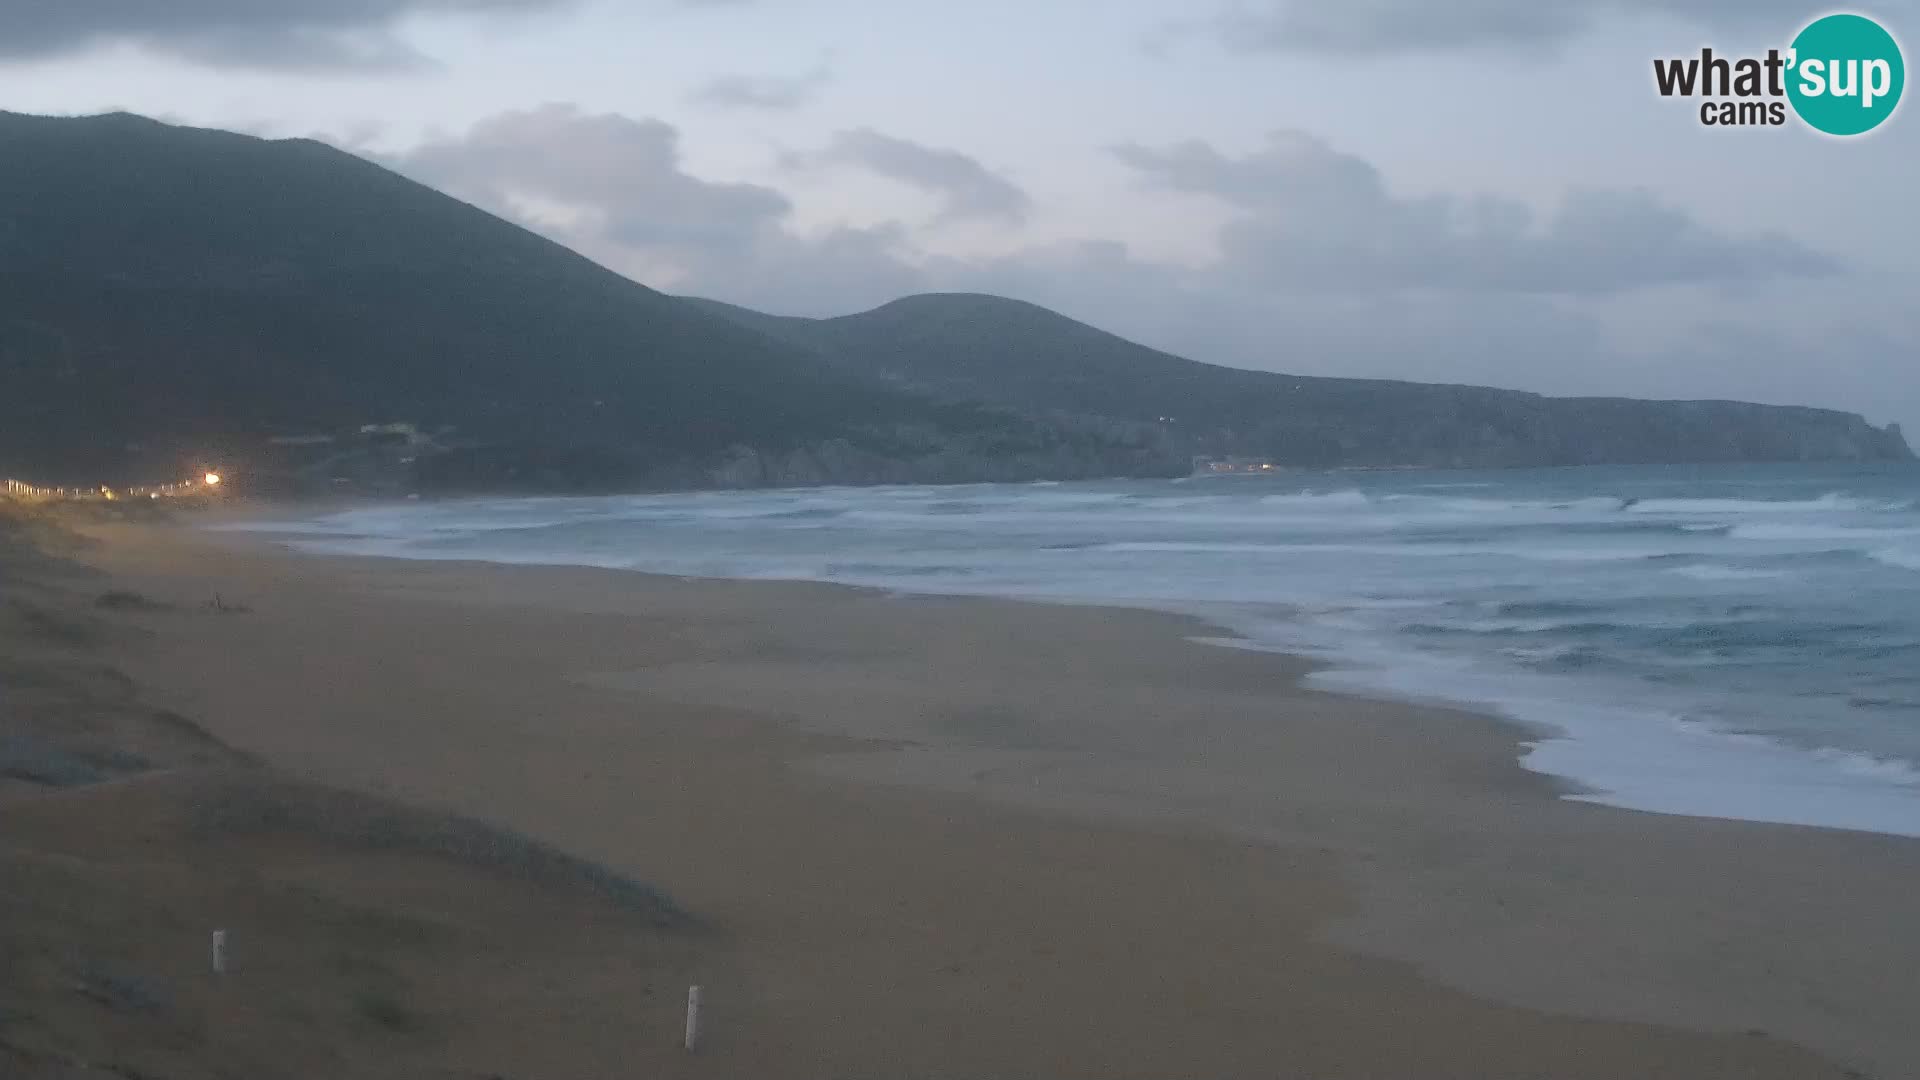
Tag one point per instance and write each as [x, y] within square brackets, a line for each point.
[173, 297]
[966, 347]
[170, 295]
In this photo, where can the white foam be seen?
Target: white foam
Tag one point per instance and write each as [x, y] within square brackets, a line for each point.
[1617, 751]
[1712, 572]
[1556, 508]
[1612, 554]
[1892, 770]
[1904, 558]
[1639, 758]
[1831, 502]
[1816, 533]
[1312, 499]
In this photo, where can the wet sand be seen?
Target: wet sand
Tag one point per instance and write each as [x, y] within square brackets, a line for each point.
[941, 837]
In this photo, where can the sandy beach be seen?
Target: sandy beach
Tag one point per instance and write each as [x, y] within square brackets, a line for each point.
[968, 838]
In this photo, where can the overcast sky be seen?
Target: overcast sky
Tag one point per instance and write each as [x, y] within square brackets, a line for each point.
[1480, 191]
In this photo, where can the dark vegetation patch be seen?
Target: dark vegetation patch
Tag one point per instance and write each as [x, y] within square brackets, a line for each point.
[119, 991]
[23, 758]
[55, 627]
[183, 728]
[128, 600]
[384, 1009]
[359, 821]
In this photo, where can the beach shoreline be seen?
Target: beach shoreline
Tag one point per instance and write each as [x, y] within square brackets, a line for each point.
[1340, 856]
[1695, 656]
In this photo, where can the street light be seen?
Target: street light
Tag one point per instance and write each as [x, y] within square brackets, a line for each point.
[213, 479]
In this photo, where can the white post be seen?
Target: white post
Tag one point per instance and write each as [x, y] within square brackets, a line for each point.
[693, 1017]
[219, 952]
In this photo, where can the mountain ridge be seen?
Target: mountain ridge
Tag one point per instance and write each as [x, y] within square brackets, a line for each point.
[173, 294]
[172, 297]
[973, 346]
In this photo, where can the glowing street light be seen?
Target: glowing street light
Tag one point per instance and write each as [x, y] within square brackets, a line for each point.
[212, 479]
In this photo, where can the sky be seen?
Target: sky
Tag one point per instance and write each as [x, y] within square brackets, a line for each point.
[1479, 191]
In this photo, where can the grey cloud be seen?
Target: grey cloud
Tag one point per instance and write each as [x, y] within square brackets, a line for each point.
[607, 184]
[612, 187]
[1318, 220]
[1362, 27]
[633, 207]
[969, 189]
[763, 92]
[236, 33]
[843, 270]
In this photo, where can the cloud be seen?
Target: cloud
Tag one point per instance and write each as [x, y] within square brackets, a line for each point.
[354, 34]
[1333, 275]
[763, 92]
[1372, 27]
[969, 189]
[613, 188]
[1309, 220]
[1315, 219]
[605, 182]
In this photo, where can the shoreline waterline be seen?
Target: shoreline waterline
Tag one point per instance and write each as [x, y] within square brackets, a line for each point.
[1446, 592]
[596, 701]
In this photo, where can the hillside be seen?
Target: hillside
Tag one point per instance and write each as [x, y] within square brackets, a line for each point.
[966, 347]
[171, 295]
[174, 298]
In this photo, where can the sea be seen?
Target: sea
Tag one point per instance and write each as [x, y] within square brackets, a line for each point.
[1729, 641]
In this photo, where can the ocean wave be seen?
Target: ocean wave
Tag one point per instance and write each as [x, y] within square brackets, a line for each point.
[1903, 558]
[812, 513]
[1380, 551]
[1818, 533]
[1241, 547]
[890, 570]
[1310, 498]
[1859, 763]
[1622, 626]
[1711, 572]
[1527, 608]
[1559, 555]
[1509, 627]
[1538, 655]
[1552, 601]
[1558, 508]
[1833, 501]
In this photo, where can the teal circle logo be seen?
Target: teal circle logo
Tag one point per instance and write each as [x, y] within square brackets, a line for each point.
[1845, 75]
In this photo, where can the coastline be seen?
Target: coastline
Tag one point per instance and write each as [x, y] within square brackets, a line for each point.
[1405, 854]
[1651, 675]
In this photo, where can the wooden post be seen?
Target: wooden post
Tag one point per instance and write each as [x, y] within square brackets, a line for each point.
[219, 952]
[693, 1017]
